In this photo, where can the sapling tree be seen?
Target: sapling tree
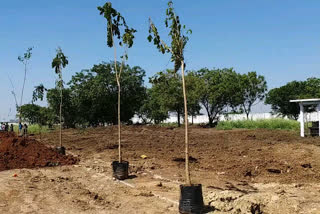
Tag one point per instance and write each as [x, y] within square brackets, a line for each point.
[60, 61]
[179, 39]
[25, 61]
[117, 29]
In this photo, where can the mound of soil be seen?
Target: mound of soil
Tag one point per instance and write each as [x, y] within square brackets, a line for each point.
[4, 134]
[18, 153]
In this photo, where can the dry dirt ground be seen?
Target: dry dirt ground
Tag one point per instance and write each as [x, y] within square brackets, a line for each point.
[242, 171]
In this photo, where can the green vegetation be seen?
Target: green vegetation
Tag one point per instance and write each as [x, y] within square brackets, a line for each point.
[93, 96]
[279, 98]
[35, 114]
[277, 123]
[35, 129]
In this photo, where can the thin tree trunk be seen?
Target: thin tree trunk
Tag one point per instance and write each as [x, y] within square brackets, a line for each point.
[21, 99]
[119, 121]
[210, 121]
[247, 111]
[60, 136]
[40, 133]
[178, 117]
[119, 96]
[188, 181]
[24, 82]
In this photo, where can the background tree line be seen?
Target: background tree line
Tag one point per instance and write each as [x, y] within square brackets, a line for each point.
[91, 96]
[279, 98]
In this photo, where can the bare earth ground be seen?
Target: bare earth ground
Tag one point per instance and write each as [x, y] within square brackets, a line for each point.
[241, 171]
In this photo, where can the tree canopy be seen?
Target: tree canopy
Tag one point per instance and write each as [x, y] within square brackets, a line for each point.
[279, 98]
[94, 94]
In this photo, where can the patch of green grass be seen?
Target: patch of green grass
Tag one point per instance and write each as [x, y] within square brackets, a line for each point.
[168, 125]
[276, 123]
[34, 129]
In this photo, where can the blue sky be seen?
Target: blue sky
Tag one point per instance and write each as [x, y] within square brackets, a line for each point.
[278, 39]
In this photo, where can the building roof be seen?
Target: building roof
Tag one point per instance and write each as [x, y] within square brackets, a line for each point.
[307, 101]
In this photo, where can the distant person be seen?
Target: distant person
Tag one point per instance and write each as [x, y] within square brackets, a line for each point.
[25, 130]
[11, 127]
[20, 129]
[3, 127]
[7, 127]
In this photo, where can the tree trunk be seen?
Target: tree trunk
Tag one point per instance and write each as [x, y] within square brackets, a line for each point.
[24, 82]
[210, 121]
[119, 121]
[247, 111]
[192, 120]
[21, 99]
[40, 133]
[188, 181]
[60, 135]
[178, 115]
[119, 93]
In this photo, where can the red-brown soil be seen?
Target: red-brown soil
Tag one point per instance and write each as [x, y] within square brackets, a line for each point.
[18, 153]
[235, 155]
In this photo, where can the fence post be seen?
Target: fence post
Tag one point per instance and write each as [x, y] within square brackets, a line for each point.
[301, 120]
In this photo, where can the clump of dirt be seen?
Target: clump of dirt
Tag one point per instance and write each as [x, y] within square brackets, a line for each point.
[6, 134]
[191, 159]
[18, 153]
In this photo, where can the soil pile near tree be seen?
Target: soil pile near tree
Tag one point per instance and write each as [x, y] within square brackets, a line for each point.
[17, 153]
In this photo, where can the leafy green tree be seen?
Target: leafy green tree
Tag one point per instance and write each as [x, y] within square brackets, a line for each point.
[235, 91]
[30, 113]
[68, 109]
[60, 61]
[94, 93]
[216, 88]
[312, 89]
[176, 49]
[279, 98]
[166, 92]
[46, 118]
[90, 97]
[192, 86]
[153, 109]
[117, 29]
[35, 114]
[167, 87]
[253, 90]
